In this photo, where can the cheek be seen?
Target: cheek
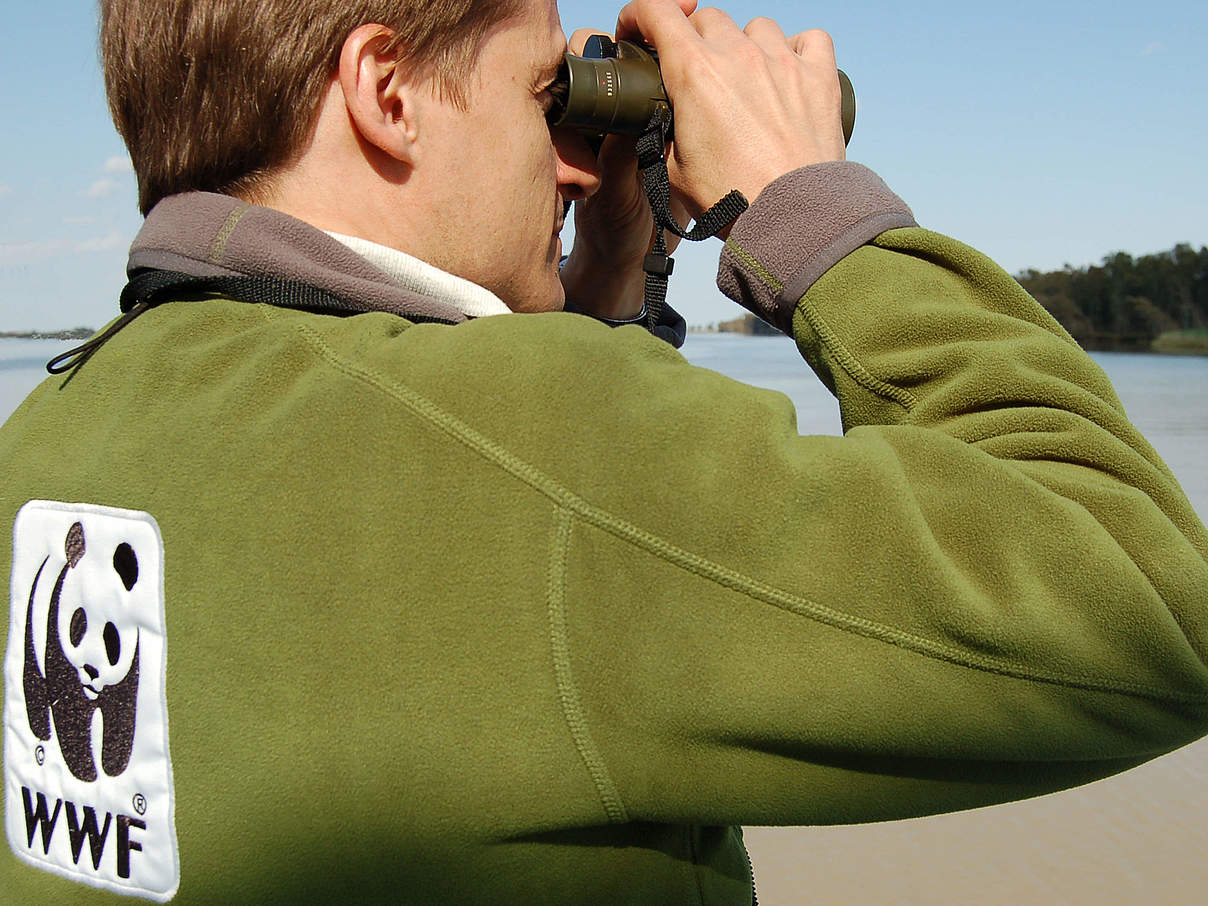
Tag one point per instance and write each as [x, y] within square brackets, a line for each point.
[532, 151]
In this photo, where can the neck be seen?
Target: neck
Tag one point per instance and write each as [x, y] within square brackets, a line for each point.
[342, 184]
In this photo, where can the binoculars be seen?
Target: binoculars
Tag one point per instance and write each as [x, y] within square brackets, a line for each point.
[616, 87]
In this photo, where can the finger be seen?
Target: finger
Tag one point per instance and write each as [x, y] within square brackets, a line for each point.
[815, 46]
[767, 34]
[660, 22]
[714, 24]
[579, 39]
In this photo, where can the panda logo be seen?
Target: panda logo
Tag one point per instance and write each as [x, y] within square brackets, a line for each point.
[92, 658]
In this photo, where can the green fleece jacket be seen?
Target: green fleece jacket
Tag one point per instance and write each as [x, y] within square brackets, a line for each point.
[526, 609]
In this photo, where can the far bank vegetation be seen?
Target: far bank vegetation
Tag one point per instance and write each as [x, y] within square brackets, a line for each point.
[72, 333]
[1154, 303]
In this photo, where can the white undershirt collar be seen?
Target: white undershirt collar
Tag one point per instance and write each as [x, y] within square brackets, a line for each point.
[420, 277]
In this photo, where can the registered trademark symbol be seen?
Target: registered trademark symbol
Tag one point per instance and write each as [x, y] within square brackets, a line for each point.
[40, 755]
[140, 804]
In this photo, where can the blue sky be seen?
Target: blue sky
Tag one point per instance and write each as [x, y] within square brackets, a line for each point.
[1040, 133]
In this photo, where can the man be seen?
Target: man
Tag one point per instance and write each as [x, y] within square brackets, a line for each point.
[360, 592]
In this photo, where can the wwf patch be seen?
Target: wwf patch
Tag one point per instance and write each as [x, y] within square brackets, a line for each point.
[88, 788]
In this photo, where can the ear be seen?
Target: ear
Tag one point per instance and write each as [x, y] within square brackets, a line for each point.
[74, 546]
[125, 564]
[380, 97]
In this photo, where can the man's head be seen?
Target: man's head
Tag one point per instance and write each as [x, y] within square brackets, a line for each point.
[419, 125]
[217, 95]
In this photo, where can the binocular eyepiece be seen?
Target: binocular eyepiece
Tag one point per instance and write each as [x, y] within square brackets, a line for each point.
[616, 87]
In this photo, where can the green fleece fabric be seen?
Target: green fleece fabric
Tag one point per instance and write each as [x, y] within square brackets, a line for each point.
[529, 610]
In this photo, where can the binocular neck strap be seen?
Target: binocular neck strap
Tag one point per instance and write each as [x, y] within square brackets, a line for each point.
[652, 161]
[149, 287]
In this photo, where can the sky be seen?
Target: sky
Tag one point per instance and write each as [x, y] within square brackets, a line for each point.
[1043, 134]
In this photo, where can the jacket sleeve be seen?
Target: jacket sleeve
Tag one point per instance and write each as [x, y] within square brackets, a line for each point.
[989, 588]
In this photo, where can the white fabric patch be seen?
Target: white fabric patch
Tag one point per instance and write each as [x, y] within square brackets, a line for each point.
[421, 277]
[88, 788]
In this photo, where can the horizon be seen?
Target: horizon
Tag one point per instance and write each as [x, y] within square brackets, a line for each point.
[1042, 135]
[735, 312]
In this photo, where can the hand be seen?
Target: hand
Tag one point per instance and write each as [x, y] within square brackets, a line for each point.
[750, 105]
[614, 230]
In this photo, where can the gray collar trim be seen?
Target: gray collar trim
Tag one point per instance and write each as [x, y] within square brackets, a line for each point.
[210, 235]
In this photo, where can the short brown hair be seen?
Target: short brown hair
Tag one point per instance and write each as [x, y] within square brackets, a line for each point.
[216, 95]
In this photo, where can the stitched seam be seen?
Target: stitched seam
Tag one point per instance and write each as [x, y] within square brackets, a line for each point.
[568, 694]
[851, 364]
[846, 360]
[694, 865]
[750, 263]
[224, 234]
[860, 233]
[853, 227]
[707, 569]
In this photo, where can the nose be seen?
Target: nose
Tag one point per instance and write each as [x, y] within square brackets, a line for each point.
[578, 172]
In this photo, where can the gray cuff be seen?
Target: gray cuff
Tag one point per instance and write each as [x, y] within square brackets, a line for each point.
[799, 227]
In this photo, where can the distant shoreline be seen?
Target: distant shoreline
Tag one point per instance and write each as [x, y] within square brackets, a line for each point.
[1172, 342]
[74, 333]
[1191, 342]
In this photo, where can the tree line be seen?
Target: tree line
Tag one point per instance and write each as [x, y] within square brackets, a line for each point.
[1154, 302]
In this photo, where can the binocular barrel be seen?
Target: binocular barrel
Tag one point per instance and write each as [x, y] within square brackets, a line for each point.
[617, 88]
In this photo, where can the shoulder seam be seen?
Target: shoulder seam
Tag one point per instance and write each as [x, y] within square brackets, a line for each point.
[706, 569]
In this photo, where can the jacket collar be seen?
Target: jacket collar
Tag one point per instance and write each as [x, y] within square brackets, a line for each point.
[205, 234]
[425, 279]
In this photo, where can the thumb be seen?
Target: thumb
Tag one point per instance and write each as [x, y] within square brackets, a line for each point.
[579, 39]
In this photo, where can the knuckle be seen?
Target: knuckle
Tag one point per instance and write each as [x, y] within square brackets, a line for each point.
[710, 15]
[817, 39]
